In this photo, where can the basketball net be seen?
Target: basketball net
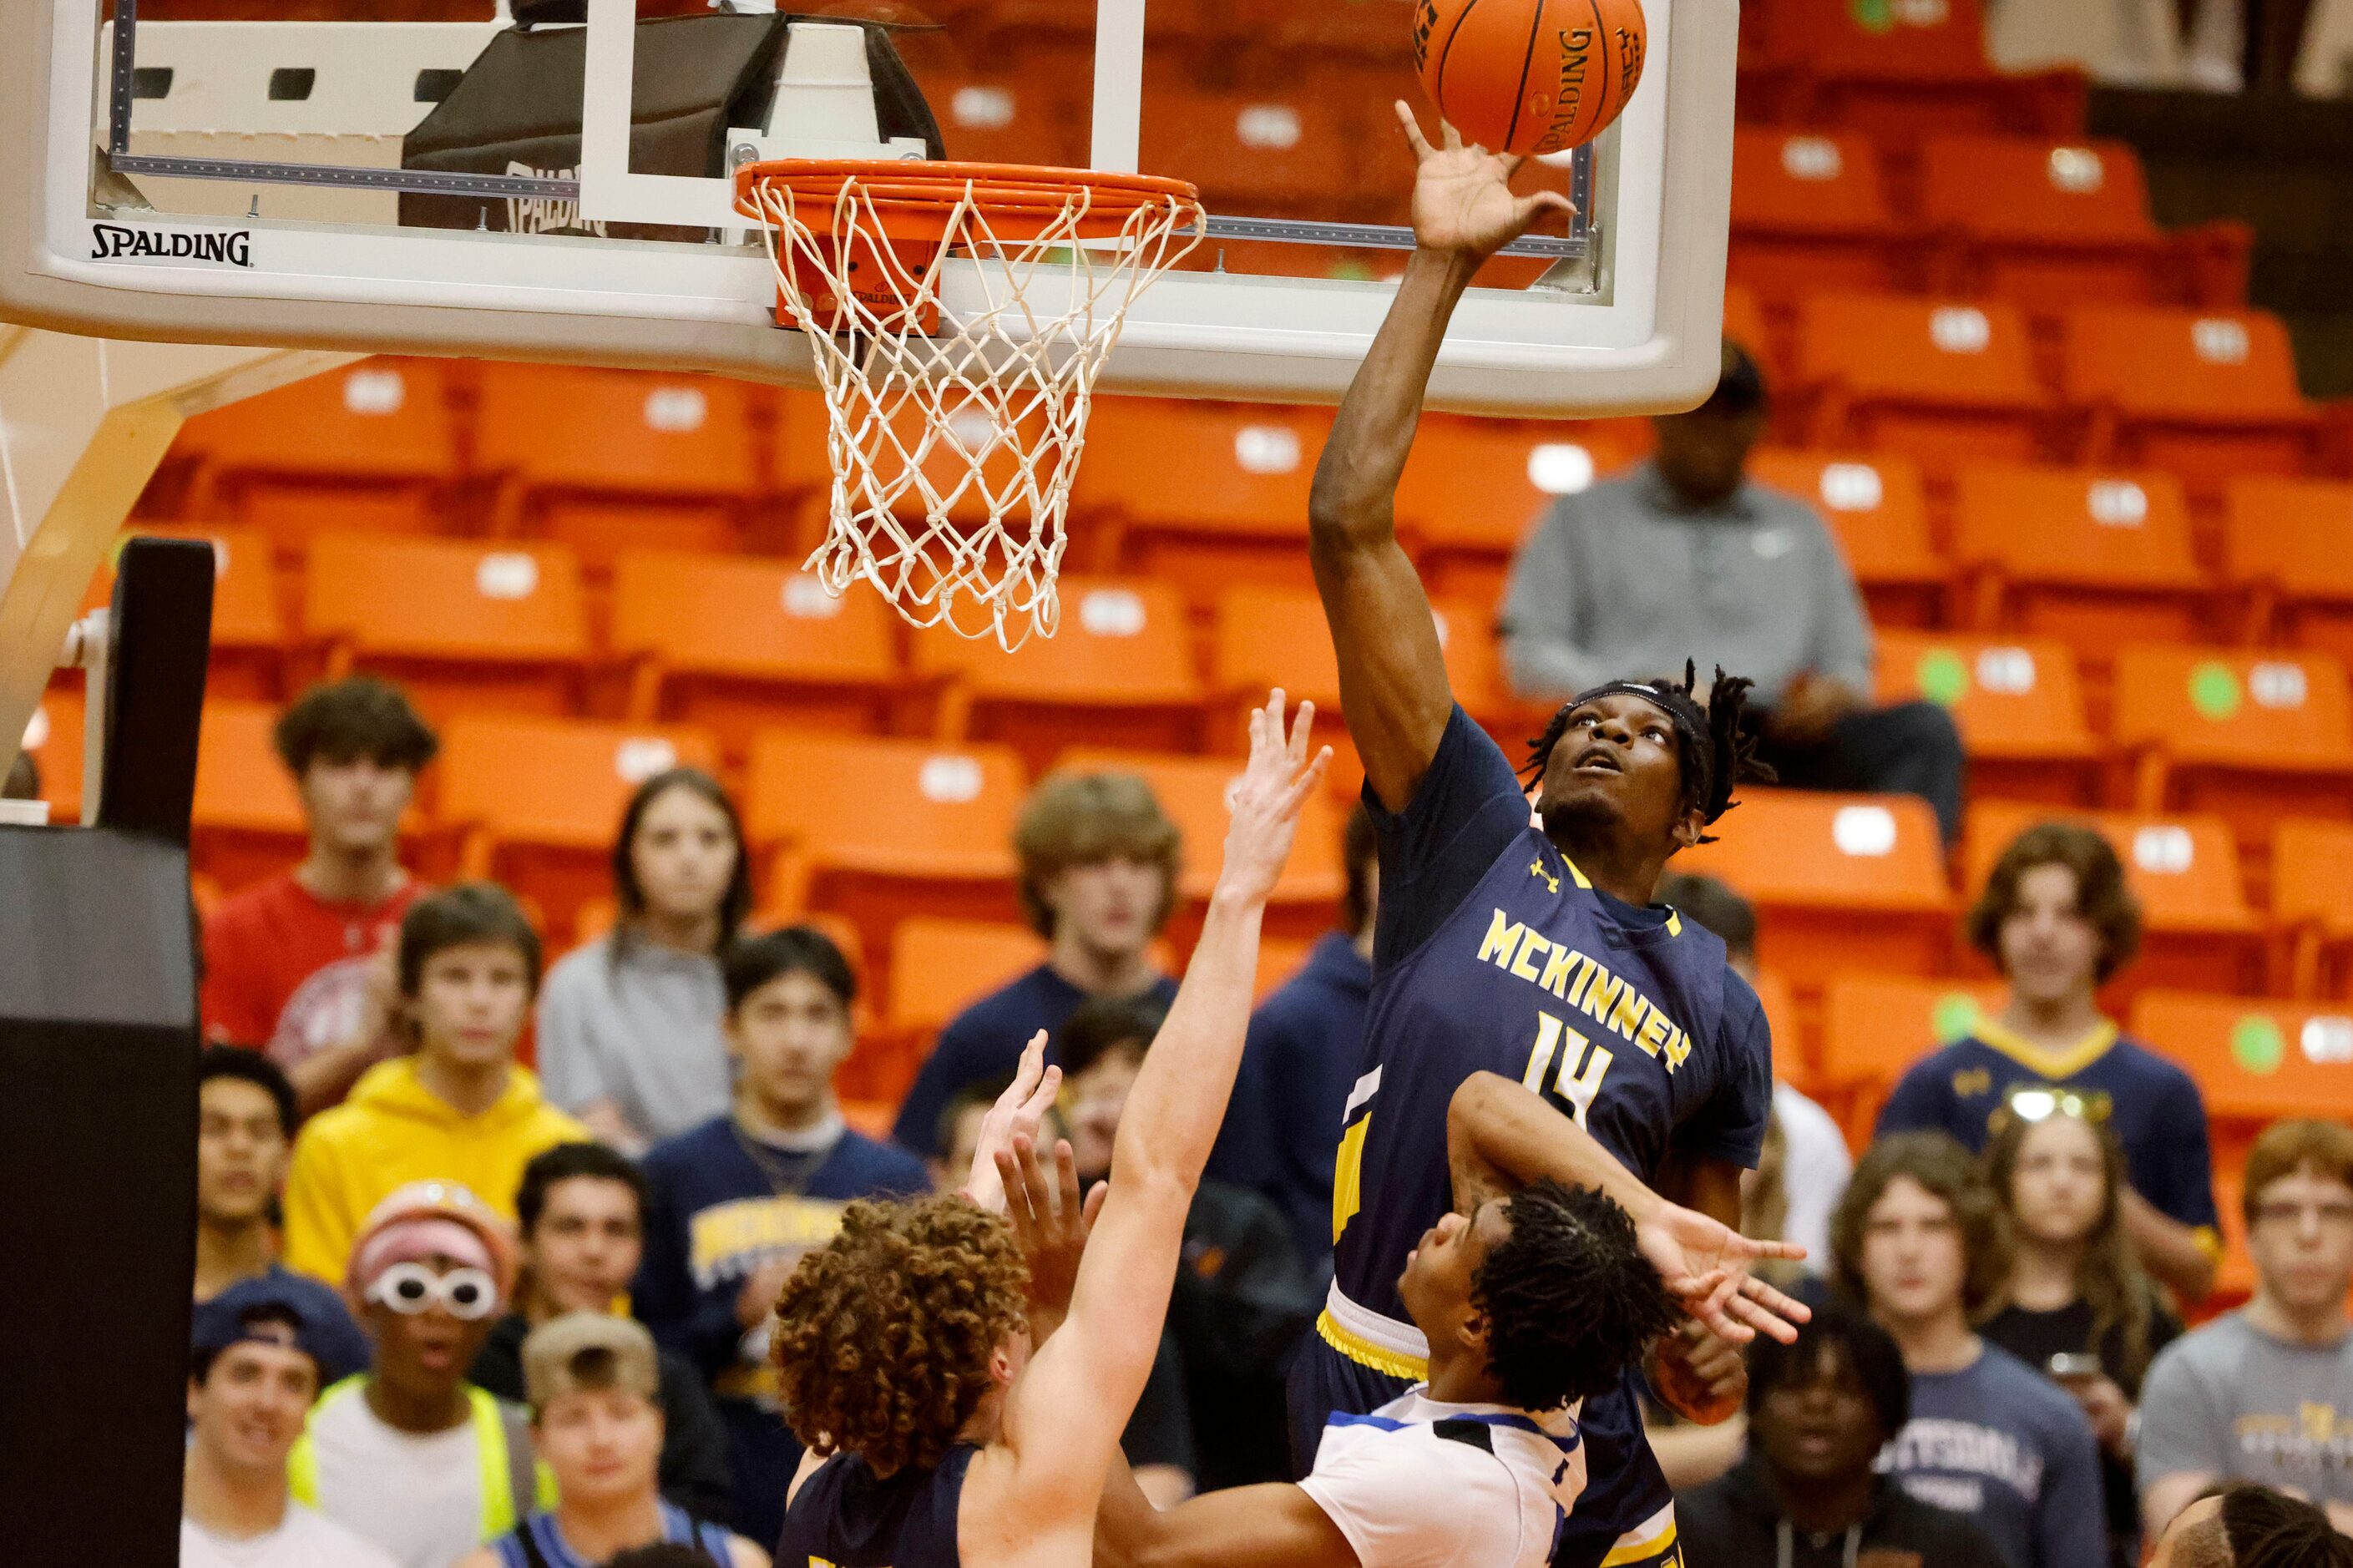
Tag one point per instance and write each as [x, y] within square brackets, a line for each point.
[954, 431]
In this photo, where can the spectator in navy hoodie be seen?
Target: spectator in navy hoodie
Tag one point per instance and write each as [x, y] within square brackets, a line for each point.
[1917, 1241]
[737, 1201]
[1099, 861]
[1283, 1128]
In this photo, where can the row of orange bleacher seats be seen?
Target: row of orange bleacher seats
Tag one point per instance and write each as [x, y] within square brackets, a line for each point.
[2205, 395]
[734, 643]
[2023, 218]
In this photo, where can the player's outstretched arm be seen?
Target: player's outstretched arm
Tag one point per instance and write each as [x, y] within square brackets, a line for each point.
[1393, 689]
[1502, 1135]
[1064, 1414]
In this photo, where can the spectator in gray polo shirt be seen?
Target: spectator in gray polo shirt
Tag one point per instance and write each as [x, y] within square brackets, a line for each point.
[1687, 558]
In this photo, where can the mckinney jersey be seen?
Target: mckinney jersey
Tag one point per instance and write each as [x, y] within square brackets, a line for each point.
[1493, 952]
[1421, 1484]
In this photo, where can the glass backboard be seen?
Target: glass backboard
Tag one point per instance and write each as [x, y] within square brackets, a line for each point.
[553, 184]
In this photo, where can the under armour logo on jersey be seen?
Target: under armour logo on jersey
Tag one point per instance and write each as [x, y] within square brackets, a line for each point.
[1970, 1082]
[1536, 869]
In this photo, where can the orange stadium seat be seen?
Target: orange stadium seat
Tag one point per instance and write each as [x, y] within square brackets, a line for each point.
[53, 740]
[939, 967]
[1474, 490]
[601, 459]
[1263, 152]
[1906, 68]
[1841, 881]
[880, 828]
[1876, 1025]
[372, 445]
[732, 642]
[1793, 1054]
[246, 822]
[2256, 1061]
[1192, 791]
[1878, 508]
[1119, 670]
[2092, 559]
[1475, 668]
[2289, 543]
[537, 801]
[1745, 323]
[1025, 100]
[2016, 702]
[2312, 908]
[1809, 212]
[248, 631]
[2197, 931]
[2253, 736]
[2207, 394]
[1198, 494]
[1265, 637]
[2030, 219]
[485, 625]
[1463, 533]
[1941, 380]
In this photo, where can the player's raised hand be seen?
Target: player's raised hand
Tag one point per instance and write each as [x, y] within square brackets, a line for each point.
[1462, 198]
[1265, 802]
[1018, 1112]
[1051, 1220]
[1705, 1264]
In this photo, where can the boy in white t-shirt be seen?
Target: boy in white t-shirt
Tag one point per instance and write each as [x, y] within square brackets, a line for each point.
[254, 1373]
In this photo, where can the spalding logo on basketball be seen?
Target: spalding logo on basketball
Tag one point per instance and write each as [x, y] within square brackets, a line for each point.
[1529, 76]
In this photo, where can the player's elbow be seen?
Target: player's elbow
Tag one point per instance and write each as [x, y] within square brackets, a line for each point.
[1342, 516]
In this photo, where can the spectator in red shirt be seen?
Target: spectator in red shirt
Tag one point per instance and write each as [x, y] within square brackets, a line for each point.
[300, 966]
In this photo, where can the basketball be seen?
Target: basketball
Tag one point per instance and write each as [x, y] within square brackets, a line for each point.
[1529, 76]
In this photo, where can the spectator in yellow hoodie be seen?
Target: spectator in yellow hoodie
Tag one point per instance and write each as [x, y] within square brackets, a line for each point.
[459, 1108]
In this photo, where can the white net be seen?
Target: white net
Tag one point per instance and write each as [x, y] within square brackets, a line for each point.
[955, 433]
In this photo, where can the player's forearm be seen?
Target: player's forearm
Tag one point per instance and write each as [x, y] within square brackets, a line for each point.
[1356, 481]
[1502, 1135]
[1180, 1095]
[2168, 1249]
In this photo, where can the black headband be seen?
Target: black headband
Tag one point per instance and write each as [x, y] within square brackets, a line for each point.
[1690, 720]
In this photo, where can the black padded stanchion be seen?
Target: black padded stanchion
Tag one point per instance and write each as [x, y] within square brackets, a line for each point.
[98, 1123]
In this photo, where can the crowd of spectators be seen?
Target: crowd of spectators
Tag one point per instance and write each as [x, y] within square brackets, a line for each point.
[432, 1284]
[452, 1309]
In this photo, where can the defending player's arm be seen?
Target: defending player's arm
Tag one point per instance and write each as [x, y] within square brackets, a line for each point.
[1393, 689]
[1064, 1414]
[1502, 1135]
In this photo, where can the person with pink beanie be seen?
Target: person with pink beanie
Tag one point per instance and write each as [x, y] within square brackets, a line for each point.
[409, 1455]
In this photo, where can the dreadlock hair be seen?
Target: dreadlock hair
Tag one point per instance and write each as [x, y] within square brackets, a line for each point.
[1570, 1303]
[1718, 748]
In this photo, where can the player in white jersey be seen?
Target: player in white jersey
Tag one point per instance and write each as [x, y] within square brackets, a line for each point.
[1531, 1300]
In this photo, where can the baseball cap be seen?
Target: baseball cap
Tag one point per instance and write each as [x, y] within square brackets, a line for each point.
[431, 1216]
[272, 1310]
[588, 1349]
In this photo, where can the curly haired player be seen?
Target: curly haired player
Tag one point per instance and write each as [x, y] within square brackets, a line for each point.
[1533, 952]
[936, 1436]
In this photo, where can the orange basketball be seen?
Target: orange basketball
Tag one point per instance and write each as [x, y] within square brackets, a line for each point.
[1529, 76]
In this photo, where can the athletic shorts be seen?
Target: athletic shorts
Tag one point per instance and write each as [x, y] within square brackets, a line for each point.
[1626, 1516]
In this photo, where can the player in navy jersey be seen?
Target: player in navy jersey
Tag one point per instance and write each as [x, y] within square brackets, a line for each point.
[1533, 953]
[937, 1439]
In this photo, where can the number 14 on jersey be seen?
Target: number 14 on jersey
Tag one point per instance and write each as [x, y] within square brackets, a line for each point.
[1581, 1065]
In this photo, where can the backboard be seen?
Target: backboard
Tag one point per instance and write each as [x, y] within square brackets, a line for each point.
[444, 182]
